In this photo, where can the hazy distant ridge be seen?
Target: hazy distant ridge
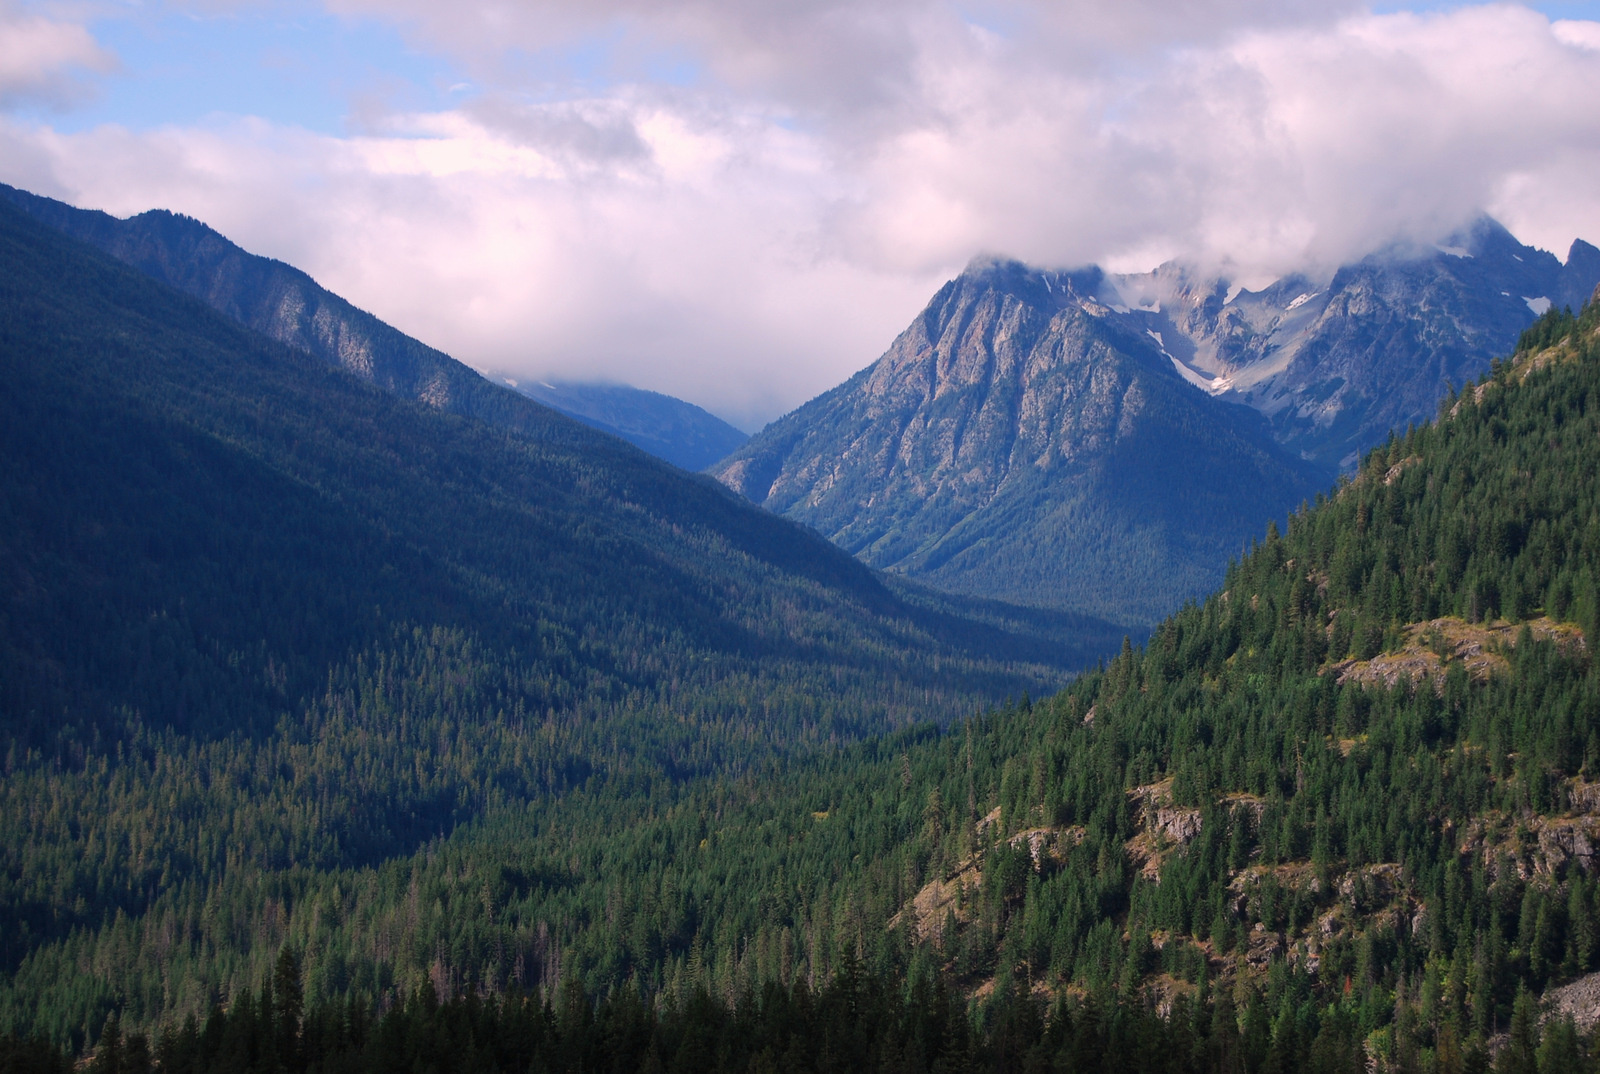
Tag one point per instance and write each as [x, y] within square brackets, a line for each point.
[669, 428]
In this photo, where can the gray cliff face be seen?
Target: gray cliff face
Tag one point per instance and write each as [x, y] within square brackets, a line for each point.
[1104, 443]
[1016, 443]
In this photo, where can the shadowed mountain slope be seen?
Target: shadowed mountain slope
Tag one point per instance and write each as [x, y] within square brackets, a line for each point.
[283, 303]
[167, 463]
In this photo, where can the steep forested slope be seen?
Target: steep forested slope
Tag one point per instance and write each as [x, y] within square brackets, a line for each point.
[260, 619]
[1353, 792]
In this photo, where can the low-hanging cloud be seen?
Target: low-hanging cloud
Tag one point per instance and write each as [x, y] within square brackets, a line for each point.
[752, 234]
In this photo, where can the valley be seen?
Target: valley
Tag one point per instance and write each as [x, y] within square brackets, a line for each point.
[362, 713]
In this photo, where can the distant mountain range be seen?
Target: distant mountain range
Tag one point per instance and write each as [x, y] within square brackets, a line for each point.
[1105, 442]
[668, 428]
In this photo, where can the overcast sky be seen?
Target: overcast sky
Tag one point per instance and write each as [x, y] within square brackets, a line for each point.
[741, 202]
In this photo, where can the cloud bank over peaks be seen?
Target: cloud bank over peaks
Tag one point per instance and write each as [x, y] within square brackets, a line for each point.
[742, 203]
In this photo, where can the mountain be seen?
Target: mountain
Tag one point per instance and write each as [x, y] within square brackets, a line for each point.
[284, 304]
[1019, 442]
[264, 622]
[1336, 363]
[1340, 816]
[668, 428]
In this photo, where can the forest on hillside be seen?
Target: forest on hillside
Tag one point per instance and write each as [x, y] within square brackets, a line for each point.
[524, 758]
[1338, 816]
[265, 624]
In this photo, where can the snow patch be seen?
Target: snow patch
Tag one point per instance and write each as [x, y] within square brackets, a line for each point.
[1540, 306]
[1153, 334]
[1210, 387]
[1453, 251]
[1514, 257]
[1301, 301]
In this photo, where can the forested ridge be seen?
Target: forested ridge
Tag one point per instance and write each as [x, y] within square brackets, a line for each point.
[1342, 815]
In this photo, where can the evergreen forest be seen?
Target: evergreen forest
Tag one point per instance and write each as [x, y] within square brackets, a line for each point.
[1341, 815]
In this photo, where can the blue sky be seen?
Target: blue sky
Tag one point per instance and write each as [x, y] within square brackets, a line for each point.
[303, 66]
[300, 65]
[306, 68]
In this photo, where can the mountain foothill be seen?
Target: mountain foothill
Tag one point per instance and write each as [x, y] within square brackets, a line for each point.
[360, 713]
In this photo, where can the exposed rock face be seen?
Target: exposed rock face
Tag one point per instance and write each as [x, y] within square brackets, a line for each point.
[1432, 647]
[1017, 442]
[1030, 437]
[1579, 1001]
[1336, 363]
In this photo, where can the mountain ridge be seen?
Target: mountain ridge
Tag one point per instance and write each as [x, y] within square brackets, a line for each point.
[285, 304]
[688, 436]
[1045, 488]
[1336, 364]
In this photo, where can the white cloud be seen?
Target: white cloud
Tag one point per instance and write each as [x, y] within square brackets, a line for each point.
[41, 58]
[1581, 34]
[696, 267]
[751, 238]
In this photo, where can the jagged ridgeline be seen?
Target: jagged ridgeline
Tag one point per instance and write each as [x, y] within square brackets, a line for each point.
[262, 621]
[1341, 816]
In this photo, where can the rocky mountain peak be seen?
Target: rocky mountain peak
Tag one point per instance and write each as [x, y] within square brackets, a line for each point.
[1035, 434]
[1018, 438]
